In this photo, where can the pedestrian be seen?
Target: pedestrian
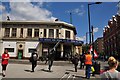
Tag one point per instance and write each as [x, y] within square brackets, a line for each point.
[112, 72]
[94, 63]
[46, 59]
[75, 61]
[51, 59]
[5, 58]
[34, 58]
[82, 60]
[88, 63]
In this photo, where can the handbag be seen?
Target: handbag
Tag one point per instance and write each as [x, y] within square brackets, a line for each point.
[92, 69]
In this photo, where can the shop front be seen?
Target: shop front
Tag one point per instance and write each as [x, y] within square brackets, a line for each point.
[64, 48]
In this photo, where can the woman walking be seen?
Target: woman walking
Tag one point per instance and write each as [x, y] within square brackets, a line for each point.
[112, 72]
[5, 58]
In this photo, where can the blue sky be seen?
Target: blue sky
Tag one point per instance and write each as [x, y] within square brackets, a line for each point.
[99, 13]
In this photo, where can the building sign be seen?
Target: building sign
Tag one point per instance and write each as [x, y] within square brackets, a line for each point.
[76, 42]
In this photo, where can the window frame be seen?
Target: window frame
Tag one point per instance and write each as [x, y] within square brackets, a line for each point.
[51, 33]
[29, 32]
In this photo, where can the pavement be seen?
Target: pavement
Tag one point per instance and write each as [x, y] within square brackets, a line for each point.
[56, 63]
[60, 70]
[41, 71]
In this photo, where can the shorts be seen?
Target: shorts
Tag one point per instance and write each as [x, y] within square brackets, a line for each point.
[4, 66]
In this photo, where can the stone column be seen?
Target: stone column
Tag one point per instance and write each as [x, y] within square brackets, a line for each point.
[54, 33]
[1, 47]
[3, 32]
[18, 32]
[33, 32]
[24, 32]
[47, 33]
[73, 49]
[61, 45]
[40, 49]
[10, 32]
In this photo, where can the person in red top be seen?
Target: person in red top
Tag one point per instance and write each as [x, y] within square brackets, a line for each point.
[5, 58]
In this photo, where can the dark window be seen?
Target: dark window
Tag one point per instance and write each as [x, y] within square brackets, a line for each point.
[57, 33]
[36, 33]
[21, 32]
[29, 33]
[14, 31]
[10, 49]
[44, 32]
[67, 34]
[51, 33]
[31, 50]
[7, 32]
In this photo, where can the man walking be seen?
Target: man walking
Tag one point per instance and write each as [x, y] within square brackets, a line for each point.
[75, 61]
[50, 59]
[82, 59]
[34, 58]
[88, 63]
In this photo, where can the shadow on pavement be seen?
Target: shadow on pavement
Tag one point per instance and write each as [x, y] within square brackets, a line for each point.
[27, 70]
[45, 70]
[80, 77]
[70, 70]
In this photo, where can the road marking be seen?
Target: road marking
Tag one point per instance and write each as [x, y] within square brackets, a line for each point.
[66, 73]
[68, 76]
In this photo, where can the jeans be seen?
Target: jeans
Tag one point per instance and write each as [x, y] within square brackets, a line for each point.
[88, 70]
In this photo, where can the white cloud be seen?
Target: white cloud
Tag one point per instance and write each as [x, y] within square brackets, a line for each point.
[79, 11]
[83, 38]
[2, 8]
[95, 29]
[28, 11]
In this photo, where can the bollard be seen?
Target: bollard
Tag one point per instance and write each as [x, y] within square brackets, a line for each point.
[97, 68]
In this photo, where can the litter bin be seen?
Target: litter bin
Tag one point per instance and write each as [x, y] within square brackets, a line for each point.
[19, 55]
[97, 68]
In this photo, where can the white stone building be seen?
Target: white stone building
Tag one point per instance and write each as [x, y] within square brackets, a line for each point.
[22, 37]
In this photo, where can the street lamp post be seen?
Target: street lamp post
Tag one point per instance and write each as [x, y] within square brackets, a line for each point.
[92, 42]
[92, 27]
[70, 18]
[89, 19]
[92, 35]
[86, 38]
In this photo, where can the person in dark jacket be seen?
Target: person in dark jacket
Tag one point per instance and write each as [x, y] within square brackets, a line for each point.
[51, 59]
[82, 60]
[34, 58]
[75, 61]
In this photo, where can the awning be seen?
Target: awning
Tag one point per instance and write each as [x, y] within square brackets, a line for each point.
[75, 42]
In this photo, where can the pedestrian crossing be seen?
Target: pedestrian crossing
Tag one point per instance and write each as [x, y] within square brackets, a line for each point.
[68, 76]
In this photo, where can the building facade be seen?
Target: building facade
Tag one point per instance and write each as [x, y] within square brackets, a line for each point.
[20, 38]
[99, 45]
[111, 37]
